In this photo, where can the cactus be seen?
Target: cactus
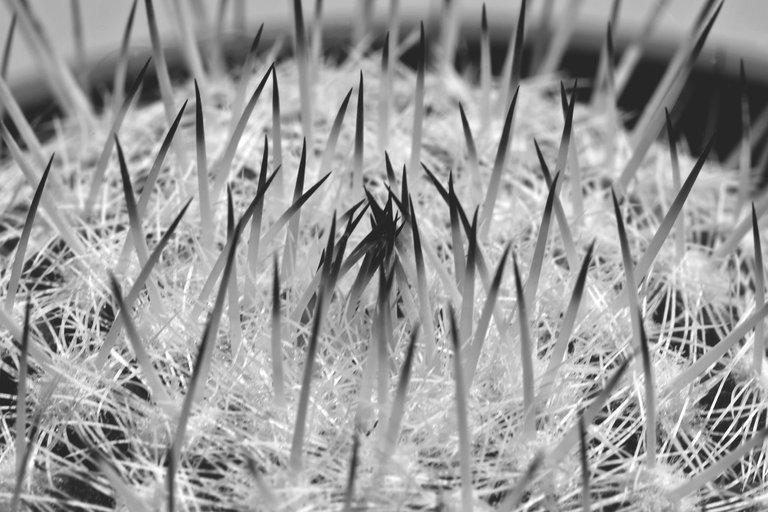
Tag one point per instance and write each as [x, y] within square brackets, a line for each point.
[310, 284]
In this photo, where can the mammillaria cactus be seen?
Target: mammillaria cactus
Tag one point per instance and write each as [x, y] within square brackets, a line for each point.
[312, 283]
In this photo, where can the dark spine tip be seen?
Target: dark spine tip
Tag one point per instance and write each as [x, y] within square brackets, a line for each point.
[256, 39]
[385, 52]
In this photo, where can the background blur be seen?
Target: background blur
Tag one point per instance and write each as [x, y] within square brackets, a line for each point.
[739, 33]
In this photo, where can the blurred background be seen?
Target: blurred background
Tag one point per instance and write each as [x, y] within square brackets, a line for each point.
[739, 31]
[738, 34]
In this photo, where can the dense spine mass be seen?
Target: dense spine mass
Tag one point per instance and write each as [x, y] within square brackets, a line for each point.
[432, 317]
